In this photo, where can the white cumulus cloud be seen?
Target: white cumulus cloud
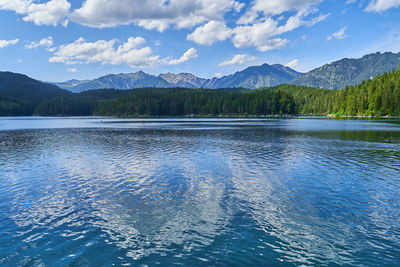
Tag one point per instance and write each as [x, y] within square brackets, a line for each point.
[259, 35]
[189, 54]
[152, 14]
[106, 52]
[210, 33]
[258, 27]
[4, 43]
[238, 59]
[340, 34]
[265, 8]
[132, 53]
[382, 5]
[53, 12]
[260, 24]
[46, 42]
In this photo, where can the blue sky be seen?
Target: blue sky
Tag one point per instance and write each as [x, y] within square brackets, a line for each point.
[58, 40]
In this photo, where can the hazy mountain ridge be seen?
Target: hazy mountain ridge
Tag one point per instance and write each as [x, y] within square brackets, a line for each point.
[138, 79]
[252, 78]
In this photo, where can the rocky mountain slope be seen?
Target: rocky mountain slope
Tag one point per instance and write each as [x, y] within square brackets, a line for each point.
[338, 74]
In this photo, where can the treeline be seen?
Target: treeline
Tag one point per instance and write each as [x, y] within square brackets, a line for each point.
[170, 102]
[181, 102]
[281, 100]
[377, 97]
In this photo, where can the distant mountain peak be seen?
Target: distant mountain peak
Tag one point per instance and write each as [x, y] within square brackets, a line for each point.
[253, 77]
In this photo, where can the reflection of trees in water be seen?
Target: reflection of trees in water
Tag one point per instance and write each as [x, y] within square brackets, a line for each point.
[311, 194]
[358, 135]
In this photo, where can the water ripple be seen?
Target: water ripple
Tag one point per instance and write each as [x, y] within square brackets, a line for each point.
[279, 192]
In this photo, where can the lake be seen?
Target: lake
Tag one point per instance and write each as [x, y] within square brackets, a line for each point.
[220, 192]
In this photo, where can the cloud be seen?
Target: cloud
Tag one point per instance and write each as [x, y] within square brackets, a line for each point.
[189, 54]
[275, 7]
[238, 59]
[266, 20]
[46, 42]
[315, 20]
[73, 70]
[382, 5]
[132, 53]
[218, 75]
[348, 2]
[4, 43]
[259, 35]
[19, 60]
[152, 14]
[259, 29]
[293, 64]
[340, 34]
[210, 33]
[53, 12]
[105, 52]
[259, 26]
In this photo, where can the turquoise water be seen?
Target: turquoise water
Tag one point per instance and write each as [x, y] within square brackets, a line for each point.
[220, 192]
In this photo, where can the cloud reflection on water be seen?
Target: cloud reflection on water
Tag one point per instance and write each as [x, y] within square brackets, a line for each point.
[245, 193]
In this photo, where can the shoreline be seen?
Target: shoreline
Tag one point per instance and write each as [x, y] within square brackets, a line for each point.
[283, 116]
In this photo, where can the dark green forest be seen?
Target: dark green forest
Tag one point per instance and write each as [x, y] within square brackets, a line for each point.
[20, 95]
[377, 97]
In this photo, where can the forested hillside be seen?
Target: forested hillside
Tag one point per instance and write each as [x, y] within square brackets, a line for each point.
[377, 97]
[19, 94]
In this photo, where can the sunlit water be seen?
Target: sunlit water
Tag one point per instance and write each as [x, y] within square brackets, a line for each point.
[103, 192]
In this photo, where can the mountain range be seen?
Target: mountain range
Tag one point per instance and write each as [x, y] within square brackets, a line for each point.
[251, 78]
[335, 75]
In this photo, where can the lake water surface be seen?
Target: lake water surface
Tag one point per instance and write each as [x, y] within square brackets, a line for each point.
[281, 192]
